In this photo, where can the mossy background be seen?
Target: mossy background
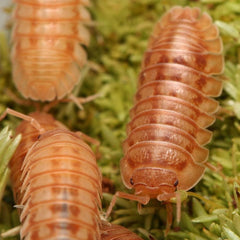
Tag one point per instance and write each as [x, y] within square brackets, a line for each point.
[120, 30]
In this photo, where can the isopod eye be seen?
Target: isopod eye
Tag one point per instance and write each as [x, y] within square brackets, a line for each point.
[39, 136]
[131, 181]
[176, 183]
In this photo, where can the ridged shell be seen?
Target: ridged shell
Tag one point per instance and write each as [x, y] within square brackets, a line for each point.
[166, 133]
[116, 232]
[56, 178]
[29, 137]
[62, 188]
[46, 52]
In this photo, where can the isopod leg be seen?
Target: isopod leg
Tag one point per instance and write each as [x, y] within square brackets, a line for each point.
[169, 209]
[93, 141]
[78, 101]
[31, 120]
[212, 167]
[141, 199]
[217, 168]
[18, 100]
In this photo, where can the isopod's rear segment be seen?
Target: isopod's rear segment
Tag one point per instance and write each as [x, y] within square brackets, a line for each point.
[164, 148]
[46, 51]
[62, 189]
[116, 232]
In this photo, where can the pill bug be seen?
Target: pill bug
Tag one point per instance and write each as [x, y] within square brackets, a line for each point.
[163, 151]
[29, 136]
[59, 187]
[46, 54]
[116, 232]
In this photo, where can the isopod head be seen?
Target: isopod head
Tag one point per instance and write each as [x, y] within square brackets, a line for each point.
[156, 182]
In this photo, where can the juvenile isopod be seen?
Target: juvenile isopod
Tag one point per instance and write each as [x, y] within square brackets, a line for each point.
[56, 181]
[164, 152]
[46, 53]
[116, 232]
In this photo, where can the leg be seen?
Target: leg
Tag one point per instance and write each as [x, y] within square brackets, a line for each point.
[169, 209]
[18, 100]
[141, 199]
[79, 101]
[166, 198]
[71, 98]
[31, 120]
[212, 167]
[93, 141]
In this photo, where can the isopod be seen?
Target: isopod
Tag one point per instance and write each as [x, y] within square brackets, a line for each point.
[59, 187]
[116, 232]
[164, 152]
[29, 137]
[46, 53]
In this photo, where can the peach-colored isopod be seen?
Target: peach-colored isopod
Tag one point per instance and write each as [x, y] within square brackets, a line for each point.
[29, 137]
[164, 149]
[116, 232]
[56, 181]
[46, 52]
[62, 188]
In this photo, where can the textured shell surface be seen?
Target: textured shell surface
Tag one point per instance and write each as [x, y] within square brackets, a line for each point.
[57, 181]
[29, 137]
[173, 107]
[116, 232]
[62, 189]
[46, 46]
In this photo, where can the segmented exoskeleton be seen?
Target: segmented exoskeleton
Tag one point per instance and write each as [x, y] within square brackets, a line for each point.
[56, 181]
[29, 136]
[164, 149]
[46, 53]
[116, 232]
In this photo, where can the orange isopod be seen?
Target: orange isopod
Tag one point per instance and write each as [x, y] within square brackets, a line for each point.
[116, 232]
[59, 185]
[164, 149]
[29, 137]
[46, 54]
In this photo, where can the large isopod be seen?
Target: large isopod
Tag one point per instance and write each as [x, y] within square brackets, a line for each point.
[164, 152]
[46, 52]
[56, 181]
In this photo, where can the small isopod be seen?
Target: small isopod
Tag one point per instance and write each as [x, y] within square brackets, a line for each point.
[116, 232]
[164, 152]
[46, 52]
[56, 181]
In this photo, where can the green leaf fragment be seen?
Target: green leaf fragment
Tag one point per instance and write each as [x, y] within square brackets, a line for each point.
[205, 218]
[230, 234]
[227, 29]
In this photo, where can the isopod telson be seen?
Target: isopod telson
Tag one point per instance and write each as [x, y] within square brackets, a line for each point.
[164, 152]
[46, 53]
[59, 185]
